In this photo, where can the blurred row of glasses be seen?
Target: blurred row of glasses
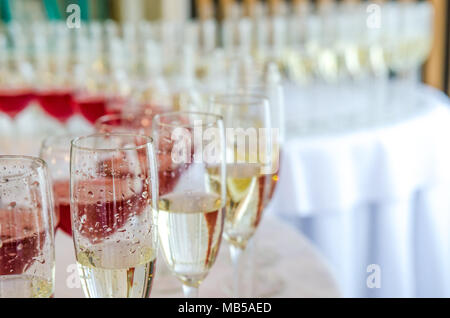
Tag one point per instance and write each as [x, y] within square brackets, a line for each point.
[118, 190]
[95, 69]
[176, 177]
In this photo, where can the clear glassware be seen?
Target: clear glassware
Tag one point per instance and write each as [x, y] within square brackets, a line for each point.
[114, 214]
[16, 92]
[16, 74]
[250, 170]
[27, 248]
[55, 151]
[261, 256]
[93, 99]
[191, 164]
[138, 124]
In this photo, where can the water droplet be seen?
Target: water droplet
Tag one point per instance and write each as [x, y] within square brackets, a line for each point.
[19, 247]
[91, 194]
[145, 194]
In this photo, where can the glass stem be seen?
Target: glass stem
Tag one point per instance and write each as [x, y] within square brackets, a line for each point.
[236, 259]
[190, 292]
[251, 266]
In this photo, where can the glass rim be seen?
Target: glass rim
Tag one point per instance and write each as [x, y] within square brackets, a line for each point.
[41, 164]
[253, 99]
[149, 141]
[108, 117]
[158, 117]
[53, 140]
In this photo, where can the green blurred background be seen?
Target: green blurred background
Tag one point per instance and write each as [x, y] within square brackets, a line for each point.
[32, 10]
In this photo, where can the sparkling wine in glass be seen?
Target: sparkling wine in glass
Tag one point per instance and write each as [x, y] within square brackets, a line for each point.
[58, 103]
[114, 212]
[15, 78]
[26, 229]
[14, 100]
[249, 167]
[53, 78]
[92, 107]
[139, 123]
[55, 150]
[191, 166]
[261, 256]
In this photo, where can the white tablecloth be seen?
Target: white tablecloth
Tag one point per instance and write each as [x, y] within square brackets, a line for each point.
[282, 253]
[376, 196]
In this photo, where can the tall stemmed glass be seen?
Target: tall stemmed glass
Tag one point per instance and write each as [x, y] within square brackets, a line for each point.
[114, 219]
[138, 124]
[55, 150]
[27, 249]
[275, 97]
[258, 251]
[249, 165]
[192, 171]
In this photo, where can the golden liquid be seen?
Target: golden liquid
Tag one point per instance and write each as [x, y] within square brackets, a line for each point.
[246, 191]
[117, 270]
[190, 229]
[25, 286]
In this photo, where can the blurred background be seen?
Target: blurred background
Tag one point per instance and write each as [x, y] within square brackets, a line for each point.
[365, 171]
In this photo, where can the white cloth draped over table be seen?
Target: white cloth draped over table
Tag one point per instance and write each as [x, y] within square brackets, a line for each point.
[376, 196]
[302, 271]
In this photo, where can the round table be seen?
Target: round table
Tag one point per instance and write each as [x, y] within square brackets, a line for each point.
[303, 272]
[375, 196]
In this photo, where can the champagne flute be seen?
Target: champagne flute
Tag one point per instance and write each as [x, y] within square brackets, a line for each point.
[15, 77]
[265, 256]
[114, 220]
[53, 80]
[16, 91]
[271, 89]
[138, 124]
[192, 193]
[27, 260]
[92, 101]
[248, 168]
[55, 150]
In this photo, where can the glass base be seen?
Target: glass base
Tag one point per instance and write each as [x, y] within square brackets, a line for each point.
[266, 284]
